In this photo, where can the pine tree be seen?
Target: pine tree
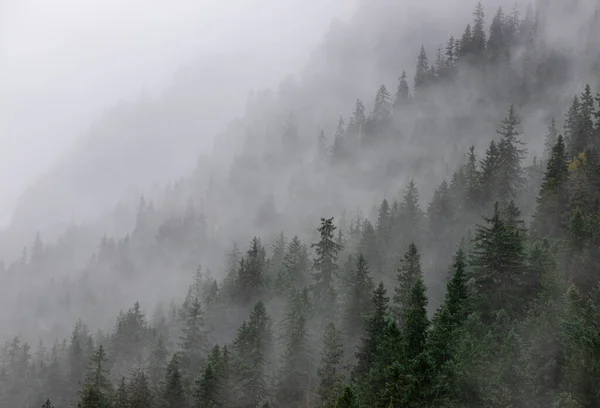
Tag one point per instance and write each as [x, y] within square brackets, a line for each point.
[250, 276]
[466, 42]
[489, 174]
[173, 393]
[97, 389]
[348, 398]
[253, 345]
[511, 177]
[193, 340]
[339, 150]
[121, 398]
[584, 136]
[325, 267]
[415, 317]
[206, 389]
[381, 107]
[473, 180]
[422, 71]
[358, 304]
[375, 328]
[322, 149]
[408, 275]
[330, 371]
[369, 247]
[402, 92]
[158, 362]
[47, 404]
[478, 40]
[446, 323]
[140, 395]
[498, 258]
[294, 387]
[497, 44]
[549, 219]
[572, 129]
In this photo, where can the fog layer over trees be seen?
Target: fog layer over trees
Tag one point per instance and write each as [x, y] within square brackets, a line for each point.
[377, 232]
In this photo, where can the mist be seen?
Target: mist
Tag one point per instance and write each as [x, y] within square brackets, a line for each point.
[366, 202]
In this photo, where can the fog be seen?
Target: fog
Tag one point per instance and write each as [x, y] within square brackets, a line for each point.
[189, 155]
[64, 62]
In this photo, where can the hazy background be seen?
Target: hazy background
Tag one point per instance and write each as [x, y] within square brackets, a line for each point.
[64, 62]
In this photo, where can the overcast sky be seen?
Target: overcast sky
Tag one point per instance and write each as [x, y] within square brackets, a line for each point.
[63, 61]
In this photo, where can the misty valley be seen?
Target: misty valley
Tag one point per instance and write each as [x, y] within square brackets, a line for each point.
[428, 242]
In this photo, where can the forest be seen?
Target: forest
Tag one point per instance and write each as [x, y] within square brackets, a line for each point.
[484, 294]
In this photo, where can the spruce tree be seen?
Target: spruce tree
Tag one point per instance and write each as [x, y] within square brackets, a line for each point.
[374, 333]
[193, 340]
[422, 71]
[511, 177]
[325, 267]
[47, 404]
[158, 362]
[478, 40]
[140, 394]
[173, 392]
[402, 92]
[348, 398]
[571, 126]
[97, 389]
[498, 258]
[206, 388]
[251, 274]
[121, 398]
[489, 174]
[552, 202]
[294, 387]
[358, 304]
[339, 150]
[408, 275]
[330, 371]
[416, 321]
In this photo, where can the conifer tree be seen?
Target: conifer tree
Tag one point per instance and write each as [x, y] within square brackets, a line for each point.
[381, 107]
[294, 387]
[511, 177]
[47, 404]
[325, 267]
[422, 71]
[572, 133]
[173, 393]
[330, 371]
[158, 362]
[498, 258]
[466, 42]
[140, 395]
[375, 329]
[446, 325]
[339, 150]
[193, 340]
[121, 398]
[206, 389]
[250, 276]
[348, 398]
[402, 92]
[478, 40]
[369, 247]
[97, 389]
[497, 44]
[408, 275]
[549, 219]
[585, 129]
[358, 304]
[489, 173]
[416, 321]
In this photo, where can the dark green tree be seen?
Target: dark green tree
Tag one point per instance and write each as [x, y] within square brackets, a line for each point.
[325, 267]
[408, 275]
[173, 392]
[330, 370]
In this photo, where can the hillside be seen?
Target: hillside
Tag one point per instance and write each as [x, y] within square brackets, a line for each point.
[403, 224]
